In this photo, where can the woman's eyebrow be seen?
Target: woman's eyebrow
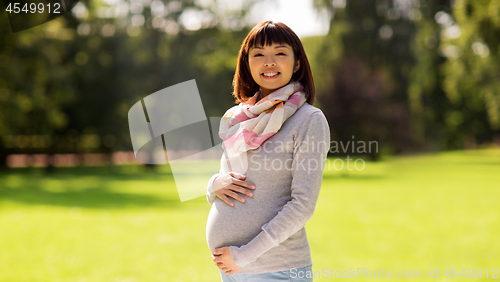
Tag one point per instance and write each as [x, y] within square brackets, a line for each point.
[276, 47]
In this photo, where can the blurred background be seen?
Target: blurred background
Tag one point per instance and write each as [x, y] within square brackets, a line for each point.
[419, 77]
[413, 75]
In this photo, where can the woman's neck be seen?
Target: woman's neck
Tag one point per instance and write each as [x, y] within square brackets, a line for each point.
[259, 96]
[265, 92]
[262, 94]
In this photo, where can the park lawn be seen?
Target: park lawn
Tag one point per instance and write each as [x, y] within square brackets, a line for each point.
[408, 213]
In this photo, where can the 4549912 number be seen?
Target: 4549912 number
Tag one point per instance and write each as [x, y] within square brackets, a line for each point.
[471, 273]
[33, 8]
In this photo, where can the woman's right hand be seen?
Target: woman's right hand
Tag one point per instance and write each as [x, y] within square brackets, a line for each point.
[226, 185]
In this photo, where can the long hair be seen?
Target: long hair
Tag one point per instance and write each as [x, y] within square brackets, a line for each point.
[266, 34]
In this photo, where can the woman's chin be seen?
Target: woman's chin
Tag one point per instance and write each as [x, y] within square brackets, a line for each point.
[270, 88]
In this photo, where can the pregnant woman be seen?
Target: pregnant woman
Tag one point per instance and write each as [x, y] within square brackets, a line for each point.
[275, 144]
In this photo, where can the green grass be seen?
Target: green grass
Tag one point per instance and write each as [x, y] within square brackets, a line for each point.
[411, 213]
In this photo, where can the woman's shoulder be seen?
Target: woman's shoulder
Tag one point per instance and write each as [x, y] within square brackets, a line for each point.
[307, 110]
[305, 116]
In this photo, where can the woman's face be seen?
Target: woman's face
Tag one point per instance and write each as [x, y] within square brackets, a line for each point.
[272, 66]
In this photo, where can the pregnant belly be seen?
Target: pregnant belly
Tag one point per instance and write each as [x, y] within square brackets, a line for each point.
[237, 225]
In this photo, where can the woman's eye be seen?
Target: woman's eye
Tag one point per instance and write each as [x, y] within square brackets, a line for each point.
[281, 53]
[257, 55]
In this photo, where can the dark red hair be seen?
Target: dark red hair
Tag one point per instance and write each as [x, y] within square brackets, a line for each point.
[266, 34]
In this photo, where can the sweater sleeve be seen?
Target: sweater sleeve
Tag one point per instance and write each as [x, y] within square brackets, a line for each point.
[210, 187]
[310, 150]
[210, 191]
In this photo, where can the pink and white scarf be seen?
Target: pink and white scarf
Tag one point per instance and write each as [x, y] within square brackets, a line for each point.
[248, 125]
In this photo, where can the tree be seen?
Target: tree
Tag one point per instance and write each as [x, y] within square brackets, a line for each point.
[471, 74]
[366, 82]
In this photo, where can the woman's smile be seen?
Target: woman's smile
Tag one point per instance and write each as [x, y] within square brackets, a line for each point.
[271, 75]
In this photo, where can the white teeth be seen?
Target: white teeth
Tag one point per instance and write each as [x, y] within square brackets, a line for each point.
[270, 74]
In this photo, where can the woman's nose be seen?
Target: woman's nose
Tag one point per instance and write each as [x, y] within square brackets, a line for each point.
[270, 62]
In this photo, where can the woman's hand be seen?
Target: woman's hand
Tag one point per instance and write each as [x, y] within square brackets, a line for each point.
[224, 261]
[227, 184]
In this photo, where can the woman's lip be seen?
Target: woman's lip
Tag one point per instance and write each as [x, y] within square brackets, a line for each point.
[270, 72]
[270, 77]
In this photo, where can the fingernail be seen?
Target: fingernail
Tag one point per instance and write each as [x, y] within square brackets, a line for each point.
[232, 204]
[253, 187]
[243, 200]
[251, 194]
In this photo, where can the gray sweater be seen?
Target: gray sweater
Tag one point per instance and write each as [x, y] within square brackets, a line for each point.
[266, 233]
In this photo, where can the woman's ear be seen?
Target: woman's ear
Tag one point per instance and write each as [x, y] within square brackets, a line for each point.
[297, 66]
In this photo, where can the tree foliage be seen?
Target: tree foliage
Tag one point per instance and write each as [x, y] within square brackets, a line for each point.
[66, 86]
[412, 75]
[416, 75]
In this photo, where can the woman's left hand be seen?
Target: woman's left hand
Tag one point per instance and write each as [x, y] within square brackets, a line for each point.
[224, 261]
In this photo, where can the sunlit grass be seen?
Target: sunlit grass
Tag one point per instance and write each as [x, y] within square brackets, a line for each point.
[411, 214]
[407, 213]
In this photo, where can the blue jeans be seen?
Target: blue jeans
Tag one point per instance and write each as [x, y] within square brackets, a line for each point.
[294, 275]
